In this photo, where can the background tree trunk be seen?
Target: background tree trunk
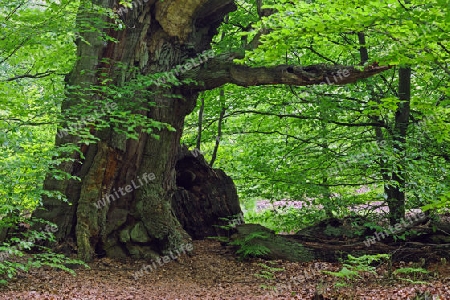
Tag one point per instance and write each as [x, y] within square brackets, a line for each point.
[395, 188]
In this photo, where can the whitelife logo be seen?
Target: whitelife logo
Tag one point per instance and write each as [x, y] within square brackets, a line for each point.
[128, 189]
[163, 260]
[394, 229]
[187, 66]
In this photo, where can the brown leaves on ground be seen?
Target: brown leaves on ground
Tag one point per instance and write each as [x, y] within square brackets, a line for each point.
[212, 272]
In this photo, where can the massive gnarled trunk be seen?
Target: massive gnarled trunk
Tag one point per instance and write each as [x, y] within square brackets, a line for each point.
[159, 36]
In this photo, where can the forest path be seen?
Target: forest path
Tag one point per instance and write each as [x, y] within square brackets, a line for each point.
[210, 272]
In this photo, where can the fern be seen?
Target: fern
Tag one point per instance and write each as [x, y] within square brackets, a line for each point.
[232, 222]
[346, 273]
[267, 273]
[415, 273]
[247, 251]
[248, 248]
[353, 266]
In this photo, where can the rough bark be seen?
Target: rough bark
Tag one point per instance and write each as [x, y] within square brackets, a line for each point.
[221, 70]
[205, 197]
[159, 36]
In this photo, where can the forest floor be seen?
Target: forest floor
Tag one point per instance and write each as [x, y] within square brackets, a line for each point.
[211, 271]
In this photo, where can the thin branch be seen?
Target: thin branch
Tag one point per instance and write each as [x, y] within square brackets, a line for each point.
[35, 76]
[200, 123]
[15, 50]
[373, 124]
[310, 48]
[14, 11]
[402, 5]
[443, 47]
[219, 128]
[346, 184]
[280, 133]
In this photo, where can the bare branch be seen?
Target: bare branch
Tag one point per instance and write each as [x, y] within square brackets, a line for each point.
[35, 76]
[348, 124]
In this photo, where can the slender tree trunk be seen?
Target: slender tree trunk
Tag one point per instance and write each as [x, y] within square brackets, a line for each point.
[393, 174]
[200, 124]
[219, 127]
[395, 188]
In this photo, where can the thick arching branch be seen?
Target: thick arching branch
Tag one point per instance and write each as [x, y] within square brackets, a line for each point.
[221, 70]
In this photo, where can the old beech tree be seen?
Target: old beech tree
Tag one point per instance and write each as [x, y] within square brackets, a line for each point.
[159, 36]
